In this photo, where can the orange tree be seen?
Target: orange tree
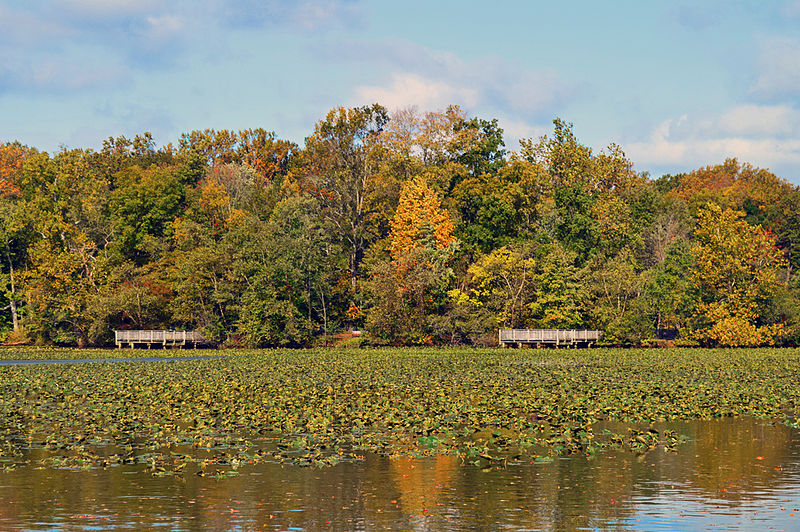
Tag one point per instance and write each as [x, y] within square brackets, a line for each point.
[410, 287]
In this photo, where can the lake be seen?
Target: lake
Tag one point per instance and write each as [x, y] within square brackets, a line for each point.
[731, 474]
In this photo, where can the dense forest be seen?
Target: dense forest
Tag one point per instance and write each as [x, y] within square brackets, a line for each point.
[416, 228]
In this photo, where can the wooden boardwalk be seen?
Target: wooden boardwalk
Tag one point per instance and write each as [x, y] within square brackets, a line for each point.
[164, 339]
[554, 337]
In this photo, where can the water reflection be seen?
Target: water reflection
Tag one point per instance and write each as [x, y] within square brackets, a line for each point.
[733, 474]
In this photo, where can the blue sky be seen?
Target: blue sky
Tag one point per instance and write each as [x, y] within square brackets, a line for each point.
[677, 84]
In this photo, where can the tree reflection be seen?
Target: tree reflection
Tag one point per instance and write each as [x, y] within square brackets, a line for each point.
[729, 461]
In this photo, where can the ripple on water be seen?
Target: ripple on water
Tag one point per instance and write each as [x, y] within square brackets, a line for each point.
[734, 474]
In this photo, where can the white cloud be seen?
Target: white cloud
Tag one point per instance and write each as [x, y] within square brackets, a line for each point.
[532, 92]
[406, 90]
[514, 130]
[38, 54]
[432, 79]
[760, 120]
[660, 149]
[765, 136]
[521, 99]
[780, 69]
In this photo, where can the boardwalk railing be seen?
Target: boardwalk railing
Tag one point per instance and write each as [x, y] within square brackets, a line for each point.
[163, 338]
[556, 337]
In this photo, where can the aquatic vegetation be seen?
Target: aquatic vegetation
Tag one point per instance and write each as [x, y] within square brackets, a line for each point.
[72, 353]
[322, 407]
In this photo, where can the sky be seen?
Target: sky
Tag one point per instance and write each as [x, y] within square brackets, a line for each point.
[678, 85]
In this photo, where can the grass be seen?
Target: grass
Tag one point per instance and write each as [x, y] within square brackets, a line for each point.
[320, 407]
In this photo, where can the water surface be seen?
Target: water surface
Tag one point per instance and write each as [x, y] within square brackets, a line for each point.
[733, 474]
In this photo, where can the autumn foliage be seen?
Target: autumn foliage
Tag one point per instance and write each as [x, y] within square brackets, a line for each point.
[419, 220]
[12, 157]
[738, 271]
[414, 227]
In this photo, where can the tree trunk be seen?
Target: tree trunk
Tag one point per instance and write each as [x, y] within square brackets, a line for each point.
[14, 315]
[324, 318]
[12, 300]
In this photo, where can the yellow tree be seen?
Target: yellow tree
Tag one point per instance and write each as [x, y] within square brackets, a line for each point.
[500, 284]
[68, 265]
[738, 270]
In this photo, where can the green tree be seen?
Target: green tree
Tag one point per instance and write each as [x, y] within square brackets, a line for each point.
[200, 274]
[340, 165]
[557, 299]
[783, 218]
[570, 169]
[478, 145]
[290, 290]
[614, 286]
[15, 234]
[669, 292]
[143, 206]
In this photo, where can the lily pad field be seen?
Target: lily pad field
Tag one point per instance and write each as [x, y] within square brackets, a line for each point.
[321, 407]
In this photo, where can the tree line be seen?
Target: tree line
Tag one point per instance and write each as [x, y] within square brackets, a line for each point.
[415, 227]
